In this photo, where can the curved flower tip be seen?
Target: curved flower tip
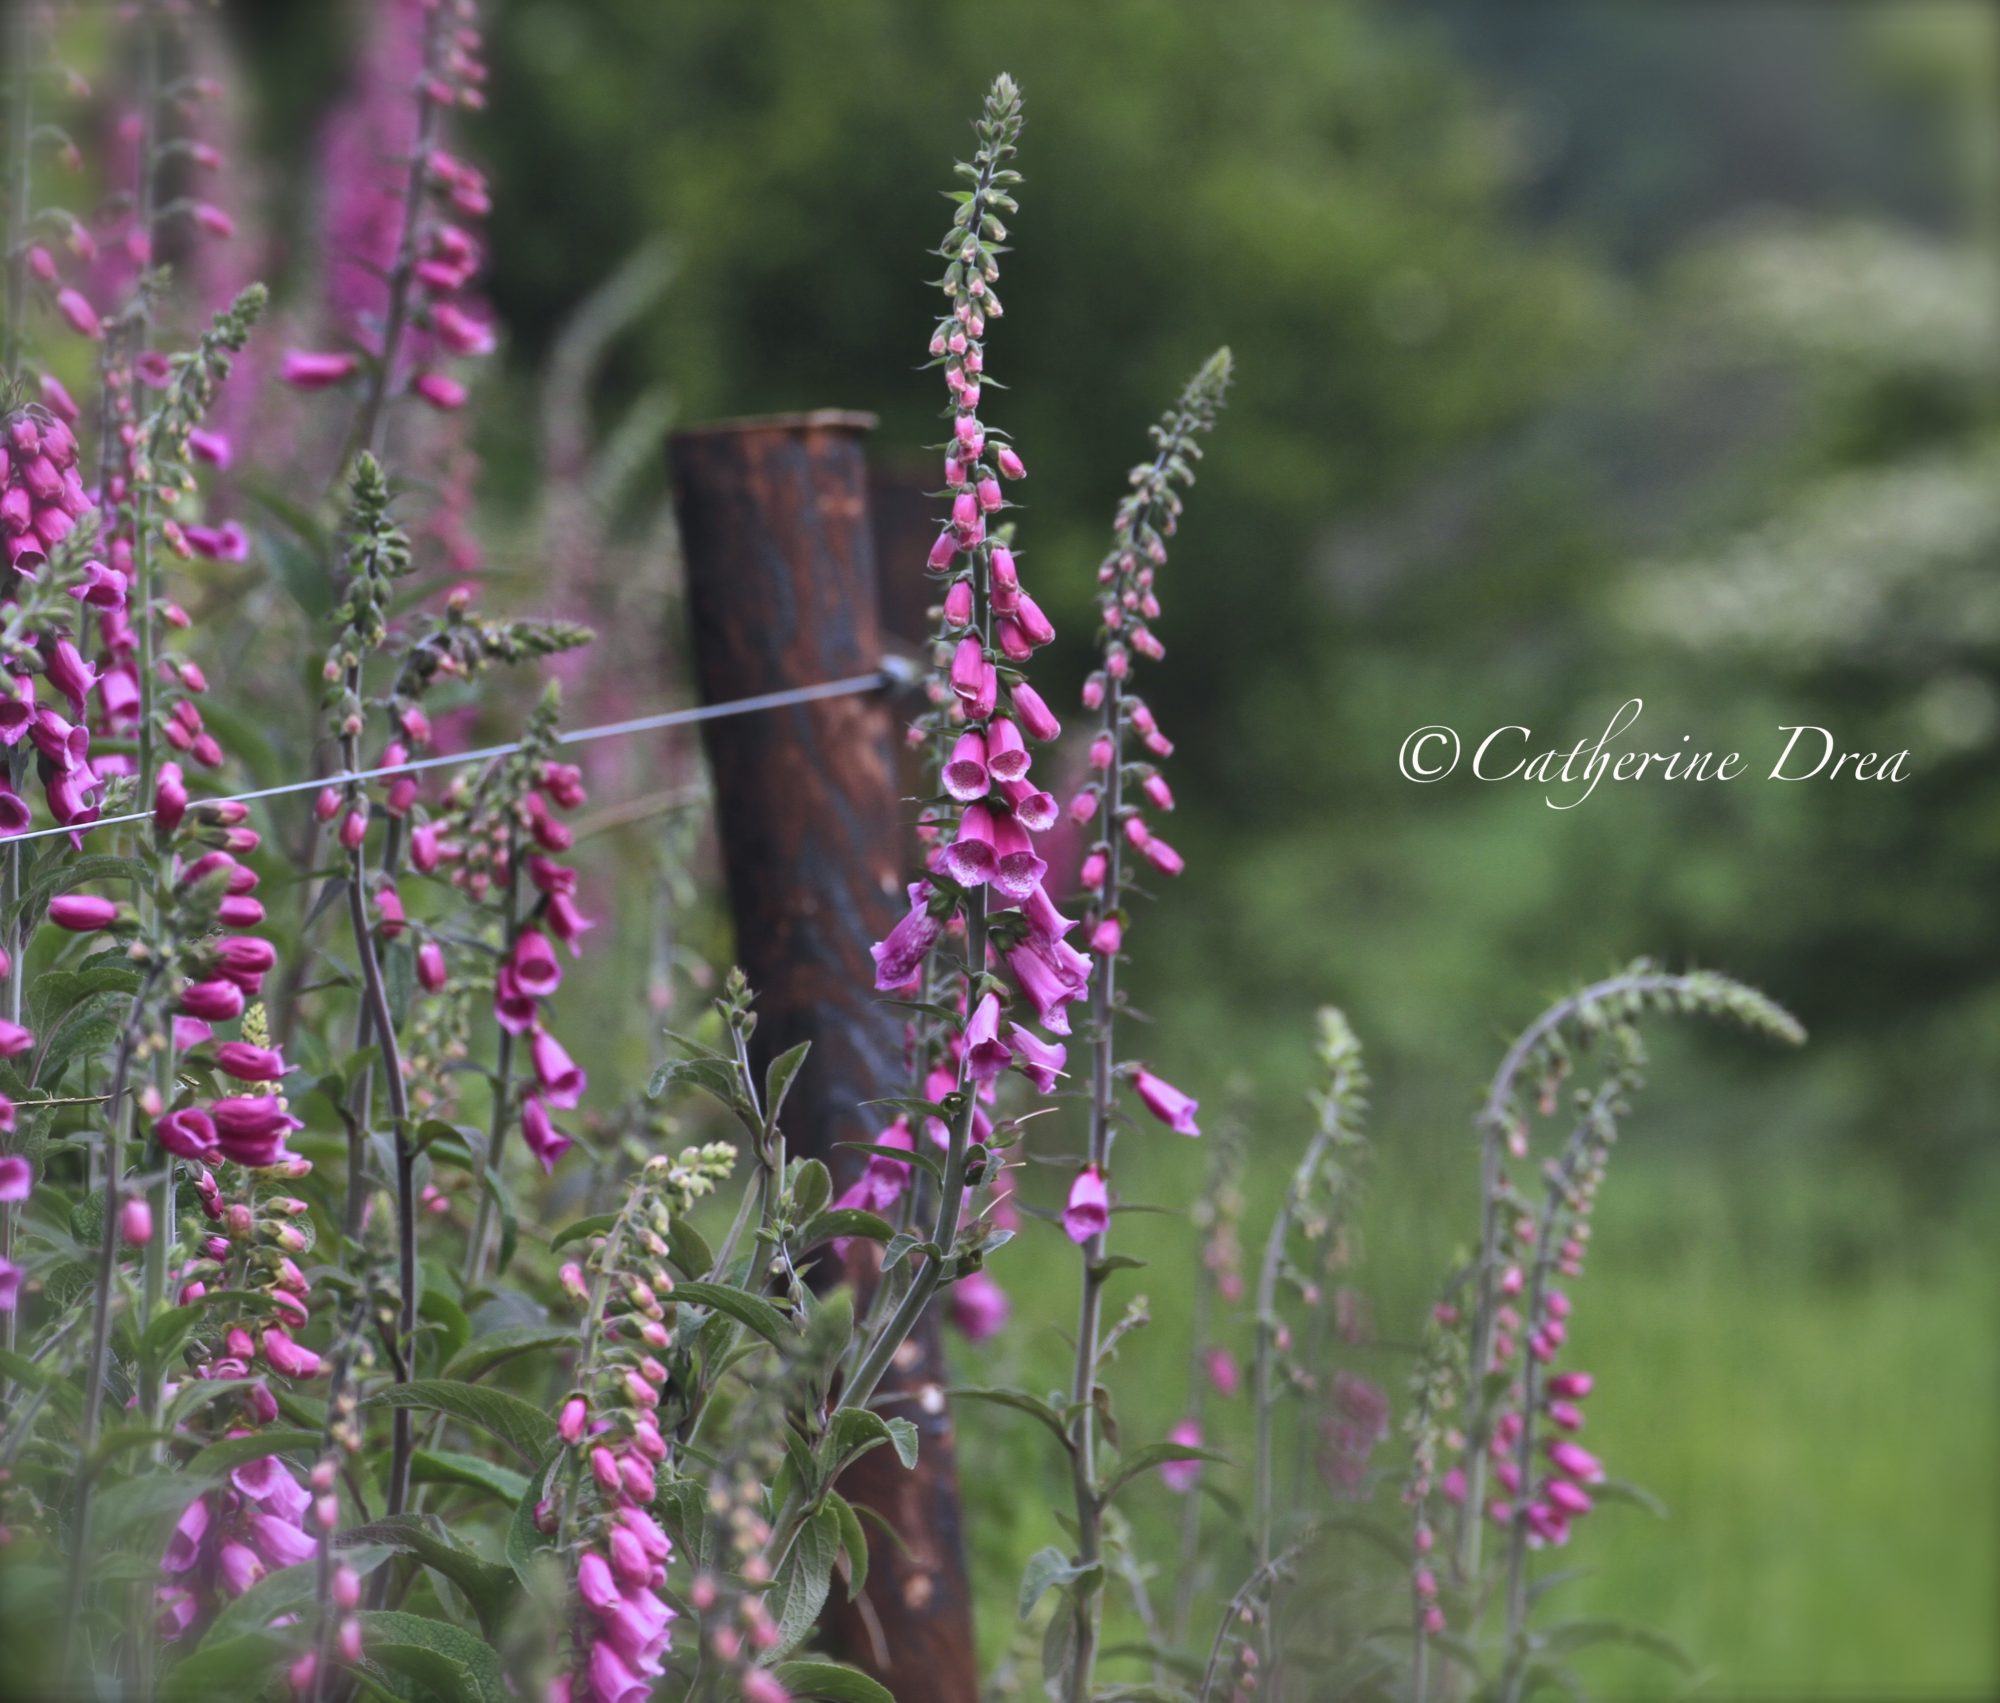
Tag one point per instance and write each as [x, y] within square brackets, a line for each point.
[1166, 1102]
[1179, 1476]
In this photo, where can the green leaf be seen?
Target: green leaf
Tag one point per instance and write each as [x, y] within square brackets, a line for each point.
[812, 1188]
[229, 1453]
[715, 1077]
[682, 1504]
[487, 1586]
[746, 1309]
[844, 1221]
[233, 1667]
[1047, 1567]
[483, 1353]
[597, 1224]
[1634, 1495]
[687, 1249]
[524, 1538]
[923, 1161]
[1578, 1634]
[442, 1657]
[1152, 1455]
[448, 1317]
[853, 1431]
[778, 1080]
[831, 1681]
[804, 1580]
[516, 1423]
[1018, 1399]
[64, 873]
[853, 1540]
[447, 1466]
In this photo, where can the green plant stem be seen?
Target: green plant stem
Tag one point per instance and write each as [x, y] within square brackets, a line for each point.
[20, 209]
[1264, 1356]
[1090, 1306]
[375, 994]
[371, 418]
[99, 1365]
[487, 1172]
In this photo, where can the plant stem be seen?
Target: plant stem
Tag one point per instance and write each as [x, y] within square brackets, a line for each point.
[1263, 1398]
[370, 419]
[951, 1201]
[20, 210]
[1090, 1306]
[487, 1172]
[159, 1248]
[100, 1320]
[376, 997]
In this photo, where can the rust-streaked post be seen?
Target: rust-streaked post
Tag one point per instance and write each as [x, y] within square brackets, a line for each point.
[781, 593]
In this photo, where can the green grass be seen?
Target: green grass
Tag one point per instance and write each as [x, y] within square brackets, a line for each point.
[1805, 1372]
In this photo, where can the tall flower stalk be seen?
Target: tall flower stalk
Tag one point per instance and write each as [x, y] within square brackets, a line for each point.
[1128, 604]
[985, 878]
[1329, 1165]
[378, 555]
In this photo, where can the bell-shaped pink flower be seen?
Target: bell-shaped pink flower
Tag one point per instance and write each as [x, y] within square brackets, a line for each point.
[212, 1001]
[965, 774]
[561, 1078]
[971, 858]
[900, 955]
[431, 967]
[187, 1134]
[1166, 1102]
[170, 798]
[513, 1010]
[979, 1306]
[1017, 870]
[1040, 1061]
[537, 972]
[305, 370]
[986, 1055]
[544, 1140]
[250, 1064]
[1180, 1476]
[1007, 754]
[1574, 1461]
[1089, 1209]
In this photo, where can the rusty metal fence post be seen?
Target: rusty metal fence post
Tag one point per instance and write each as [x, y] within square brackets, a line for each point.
[782, 592]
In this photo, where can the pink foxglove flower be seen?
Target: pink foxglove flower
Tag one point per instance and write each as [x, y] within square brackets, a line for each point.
[81, 913]
[1166, 1102]
[979, 1306]
[1088, 1211]
[1180, 1476]
[544, 1140]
